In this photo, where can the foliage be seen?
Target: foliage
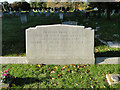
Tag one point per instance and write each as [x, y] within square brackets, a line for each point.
[6, 5]
[37, 5]
[109, 6]
[6, 77]
[23, 5]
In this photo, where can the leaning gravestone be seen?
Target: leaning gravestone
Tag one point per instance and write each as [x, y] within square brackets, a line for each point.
[60, 44]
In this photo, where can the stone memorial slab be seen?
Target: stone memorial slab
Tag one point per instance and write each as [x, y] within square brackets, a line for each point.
[60, 44]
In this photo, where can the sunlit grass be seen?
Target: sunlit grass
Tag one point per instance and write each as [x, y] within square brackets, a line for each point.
[61, 76]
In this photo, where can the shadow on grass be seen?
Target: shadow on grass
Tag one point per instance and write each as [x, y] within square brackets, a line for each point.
[28, 80]
[108, 54]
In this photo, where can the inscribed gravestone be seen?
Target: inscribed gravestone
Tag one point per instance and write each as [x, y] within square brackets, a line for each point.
[60, 44]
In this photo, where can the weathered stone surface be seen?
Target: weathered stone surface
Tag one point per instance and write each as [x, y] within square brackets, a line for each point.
[60, 44]
[110, 81]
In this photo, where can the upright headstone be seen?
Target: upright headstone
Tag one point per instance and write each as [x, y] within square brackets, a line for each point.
[44, 11]
[60, 44]
[113, 12]
[7, 11]
[23, 18]
[55, 12]
[31, 13]
[105, 12]
[18, 13]
[40, 12]
[10, 11]
[61, 16]
[48, 12]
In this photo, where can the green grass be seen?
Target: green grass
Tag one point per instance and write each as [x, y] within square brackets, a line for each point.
[61, 76]
[13, 43]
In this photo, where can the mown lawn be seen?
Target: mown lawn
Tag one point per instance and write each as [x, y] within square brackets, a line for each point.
[13, 32]
[61, 76]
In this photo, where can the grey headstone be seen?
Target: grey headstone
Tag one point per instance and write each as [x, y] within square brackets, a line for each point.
[18, 14]
[113, 12]
[61, 16]
[31, 13]
[44, 11]
[23, 18]
[38, 14]
[55, 12]
[60, 44]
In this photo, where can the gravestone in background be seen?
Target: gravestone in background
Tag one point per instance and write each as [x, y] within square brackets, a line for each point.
[70, 23]
[60, 44]
[23, 18]
[38, 14]
[61, 16]
[31, 13]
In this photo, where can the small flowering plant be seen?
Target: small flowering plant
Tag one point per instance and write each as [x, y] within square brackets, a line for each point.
[6, 77]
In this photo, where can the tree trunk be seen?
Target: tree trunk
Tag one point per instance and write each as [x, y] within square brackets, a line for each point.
[108, 14]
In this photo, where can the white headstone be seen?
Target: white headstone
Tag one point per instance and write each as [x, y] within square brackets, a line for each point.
[60, 44]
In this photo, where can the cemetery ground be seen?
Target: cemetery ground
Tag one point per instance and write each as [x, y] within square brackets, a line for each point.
[13, 33]
[59, 76]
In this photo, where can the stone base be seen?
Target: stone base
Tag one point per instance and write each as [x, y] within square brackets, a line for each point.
[110, 81]
[61, 62]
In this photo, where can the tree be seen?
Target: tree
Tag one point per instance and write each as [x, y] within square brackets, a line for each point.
[35, 4]
[23, 5]
[6, 5]
[105, 5]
